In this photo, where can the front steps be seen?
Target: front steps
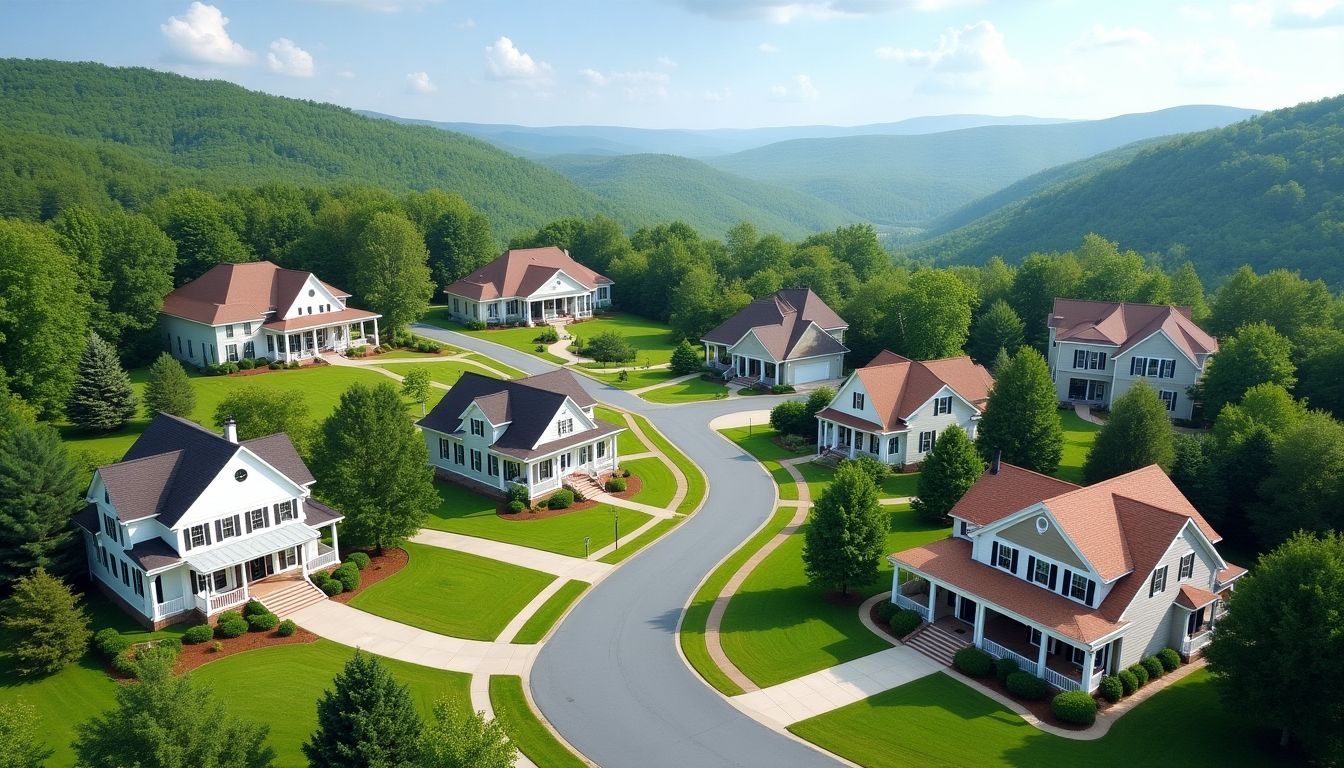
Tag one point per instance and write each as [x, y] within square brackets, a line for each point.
[936, 643]
[298, 595]
[584, 486]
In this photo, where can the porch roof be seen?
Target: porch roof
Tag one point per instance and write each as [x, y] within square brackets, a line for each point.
[1194, 598]
[339, 317]
[315, 513]
[153, 554]
[568, 441]
[251, 546]
[850, 420]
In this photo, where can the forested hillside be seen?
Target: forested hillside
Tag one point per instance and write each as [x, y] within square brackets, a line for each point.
[1268, 192]
[97, 135]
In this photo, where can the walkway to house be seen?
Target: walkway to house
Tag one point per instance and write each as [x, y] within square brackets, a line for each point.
[377, 365]
[1084, 412]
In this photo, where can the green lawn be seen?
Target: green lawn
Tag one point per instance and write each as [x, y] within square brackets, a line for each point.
[631, 546]
[696, 485]
[406, 354]
[489, 362]
[634, 379]
[472, 514]
[779, 626]
[653, 341]
[1078, 438]
[938, 721]
[759, 441]
[689, 391]
[524, 729]
[453, 593]
[659, 485]
[627, 442]
[444, 373]
[535, 628]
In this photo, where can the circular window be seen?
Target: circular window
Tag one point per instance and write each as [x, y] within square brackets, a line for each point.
[312, 292]
[1042, 525]
[240, 475]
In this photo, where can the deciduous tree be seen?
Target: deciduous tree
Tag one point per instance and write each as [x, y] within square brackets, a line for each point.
[45, 623]
[204, 229]
[260, 412]
[21, 742]
[367, 720]
[1304, 490]
[415, 385]
[948, 471]
[459, 242]
[169, 389]
[1255, 354]
[609, 347]
[102, 399]
[931, 318]
[1022, 416]
[1040, 280]
[456, 737]
[843, 542]
[1137, 434]
[40, 490]
[390, 271]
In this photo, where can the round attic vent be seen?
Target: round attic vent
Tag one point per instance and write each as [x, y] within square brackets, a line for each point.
[312, 292]
[1042, 525]
[240, 475]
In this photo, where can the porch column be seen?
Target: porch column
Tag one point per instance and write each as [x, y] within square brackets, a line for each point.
[1089, 658]
[979, 622]
[1041, 654]
[854, 437]
[707, 359]
[779, 373]
[335, 542]
[375, 333]
[242, 576]
[933, 599]
[821, 432]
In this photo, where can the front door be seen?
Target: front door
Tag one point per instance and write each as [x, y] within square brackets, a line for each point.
[321, 338]
[564, 463]
[966, 611]
[259, 568]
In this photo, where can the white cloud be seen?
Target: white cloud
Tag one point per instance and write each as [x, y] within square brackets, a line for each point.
[768, 48]
[287, 58]
[467, 23]
[382, 6]
[800, 88]
[504, 61]
[637, 85]
[1101, 36]
[1213, 63]
[718, 95]
[346, 74]
[787, 11]
[199, 35]
[972, 58]
[1291, 14]
[419, 82]
[666, 61]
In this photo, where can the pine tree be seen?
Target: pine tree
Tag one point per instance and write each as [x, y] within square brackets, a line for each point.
[21, 744]
[1137, 434]
[367, 720]
[1021, 418]
[685, 359]
[459, 738]
[169, 390]
[846, 531]
[102, 400]
[948, 471]
[370, 460]
[40, 490]
[47, 626]
[999, 328]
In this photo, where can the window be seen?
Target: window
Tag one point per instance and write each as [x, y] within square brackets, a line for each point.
[459, 456]
[231, 352]
[445, 451]
[1077, 655]
[874, 444]
[288, 557]
[240, 475]
[454, 305]
[512, 471]
[545, 470]
[285, 510]
[858, 401]
[221, 579]
[197, 536]
[1005, 556]
[892, 445]
[270, 343]
[1040, 573]
[1187, 567]
[228, 331]
[228, 528]
[1085, 359]
[492, 465]
[249, 350]
[139, 582]
[1153, 367]
[926, 440]
[1079, 586]
[1168, 397]
[1034, 637]
[475, 461]
[942, 405]
[110, 527]
[256, 519]
[125, 574]
[512, 307]
[565, 426]
[179, 345]
[602, 449]
[247, 329]
[1159, 582]
[191, 348]
[478, 427]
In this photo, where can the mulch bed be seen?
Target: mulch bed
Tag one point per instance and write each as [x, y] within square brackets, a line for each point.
[633, 485]
[198, 655]
[808, 447]
[380, 567]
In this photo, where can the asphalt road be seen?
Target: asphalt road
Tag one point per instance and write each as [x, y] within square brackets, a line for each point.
[610, 679]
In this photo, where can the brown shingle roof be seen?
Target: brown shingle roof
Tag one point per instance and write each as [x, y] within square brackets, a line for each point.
[1194, 598]
[232, 293]
[152, 554]
[1230, 573]
[1013, 489]
[897, 385]
[790, 324]
[1123, 325]
[316, 513]
[520, 272]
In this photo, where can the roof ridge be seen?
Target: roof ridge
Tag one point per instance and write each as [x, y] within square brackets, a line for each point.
[128, 462]
[1075, 487]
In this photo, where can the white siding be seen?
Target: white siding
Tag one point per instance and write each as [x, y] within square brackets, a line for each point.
[199, 342]
[1158, 345]
[750, 346]
[305, 305]
[834, 367]
[923, 420]
[1154, 622]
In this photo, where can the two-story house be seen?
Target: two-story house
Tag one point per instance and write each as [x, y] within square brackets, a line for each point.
[894, 408]
[1072, 582]
[258, 309]
[1098, 349]
[189, 521]
[528, 285]
[789, 337]
[536, 432]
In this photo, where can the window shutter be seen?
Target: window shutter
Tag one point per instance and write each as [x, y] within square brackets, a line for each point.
[1091, 590]
[206, 529]
[1133, 363]
[1014, 563]
[994, 555]
[247, 520]
[1103, 361]
[195, 583]
[1068, 579]
[236, 525]
[1031, 567]
[1152, 584]
[1174, 395]
[1054, 576]
[277, 514]
[187, 536]
[219, 530]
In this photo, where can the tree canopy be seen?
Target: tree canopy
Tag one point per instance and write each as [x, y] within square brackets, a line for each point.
[366, 720]
[1021, 417]
[1137, 434]
[846, 531]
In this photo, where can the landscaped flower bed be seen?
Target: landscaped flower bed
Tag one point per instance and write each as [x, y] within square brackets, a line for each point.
[380, 567]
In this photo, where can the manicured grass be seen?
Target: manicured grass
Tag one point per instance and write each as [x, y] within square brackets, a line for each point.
[489, 362]
[471, 514]
[281, 685]
[550, 612]
[641, 541]
[897, 486]
[405, 354]
[690, 391]
[692, 635]
[444, 373]
[696, 484]
[779, 626]
[1078, 438]
[938, 721]
[60, 701]
[524, 729]
[627, 442]
[633, 379]
[659, 484]
[653, 341]
[759, 441]
[453, 593]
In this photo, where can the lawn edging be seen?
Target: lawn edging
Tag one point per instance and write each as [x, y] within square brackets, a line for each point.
[544, 620]
[529, 731]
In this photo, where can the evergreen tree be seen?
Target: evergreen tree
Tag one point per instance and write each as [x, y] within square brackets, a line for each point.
[45, 623]
[367, 720]
[1255, 354]
[21, 744]
[1188, 291]
[948, 471]
[1001, 359]
[102, 400]
[391, 271]
[370, 461]
[685, 359]
[415, 385]
[1021, 418]
[846, 532]
[999, 328]
[169, 390]
[1137, 434]
[162, 721]
[40, 490]
[459, 738]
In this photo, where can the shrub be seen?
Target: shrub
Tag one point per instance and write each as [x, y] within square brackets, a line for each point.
[973, 661]
[261, 622]
[230, 624]
[124, 663]
[1075, 707]
[172, 644]
[517, 506]
[782, 389]
[884, 611]
[615, 484]
[1154, 667]
[793, 443]
[293, 365]
[475, 325]
[1140, 674]
[1005, 667]
[277, 365]
[519, 493]
[1025, 685]
[870, 466]
[790, 418]
[254, 608]
[1111, 688]
[286, 628]
[1170, 658]
[348, 576]
[201, 633]
[548, 335]
[360, 559]
[331, 587]
[625, 472]
[904, 621]
[246, 365]
[319, 578]
[561, 499]
[622, 375]
[109, 643]
[1128, 680]
[216, 647]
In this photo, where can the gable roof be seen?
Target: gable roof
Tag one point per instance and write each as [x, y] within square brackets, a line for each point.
[784, 324]
[520, 272]
[232, 293]
[1123, 325]
[897, 386]
[173, 461]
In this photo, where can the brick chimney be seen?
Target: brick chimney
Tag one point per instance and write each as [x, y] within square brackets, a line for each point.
[994, 464]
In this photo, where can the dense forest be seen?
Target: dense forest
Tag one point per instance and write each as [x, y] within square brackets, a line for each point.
[1267, 192]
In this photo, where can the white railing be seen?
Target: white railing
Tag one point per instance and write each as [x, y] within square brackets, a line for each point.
[999, 652]
[323, 560]
[543, 486]
[170, 607]
[1061, 681]
[214, 603]
[905, 601]
[1192, 644]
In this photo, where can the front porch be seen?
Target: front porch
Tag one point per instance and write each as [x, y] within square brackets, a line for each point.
[225, 577]
[309, 343]
[542, 311]
[849, 442]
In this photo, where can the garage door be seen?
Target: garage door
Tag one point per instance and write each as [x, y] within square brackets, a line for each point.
[807, 373]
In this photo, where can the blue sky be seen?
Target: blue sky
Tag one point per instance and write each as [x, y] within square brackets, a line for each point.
[715, 63]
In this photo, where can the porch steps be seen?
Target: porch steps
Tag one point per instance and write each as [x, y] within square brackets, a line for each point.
[300, 594]
[584, 485]
[744, 381]
[936, 643]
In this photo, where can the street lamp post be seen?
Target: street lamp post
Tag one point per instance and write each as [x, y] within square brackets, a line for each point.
[616, 522]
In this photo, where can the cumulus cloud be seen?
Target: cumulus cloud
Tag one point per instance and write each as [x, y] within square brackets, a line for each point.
[799, 88]
[419, 82]
[768, 48]
[667, 61]
[638, 85]
[346, 74]
[788, 11]
[200, 35]
[504, 61]
[287, 58]
[972, 58]
[1291, 14]
[1101, 36]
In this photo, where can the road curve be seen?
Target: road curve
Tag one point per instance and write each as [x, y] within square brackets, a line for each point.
[611, 679]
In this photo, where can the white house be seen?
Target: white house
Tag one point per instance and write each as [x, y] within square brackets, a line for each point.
[528, 285]
[894, 408]
[258, 309]
[1098, 349]
[536, 431]
[1074, 583]
[189, 522]
[789, 337]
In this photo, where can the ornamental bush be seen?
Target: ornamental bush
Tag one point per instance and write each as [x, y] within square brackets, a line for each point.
[904, 621]
[246, 364]
[548, 335]
[1170, 658]
[319, 578]
[109, 643]
[331, 587]
[230, 624]
[254, 608]
[518, 492]
[561, 499]
[1005, 667]
[1140, 674]
[286, 628]
[1025, 685]
[262, 622]
[475, 325]
[124, 663]
[517, 506]
[1154, 667]
[348, 575]
[360, 559]
[1128, 680]
[615, 484]
[973, 661]
[201, 633]
[884, 611]
[1075, 707]
[1111, 688]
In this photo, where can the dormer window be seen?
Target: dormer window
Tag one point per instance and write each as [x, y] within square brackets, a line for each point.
[942, 405]
[1040, 573]
[478, 427]
[1187, 567]
[858, 401]
[1078, 584]
[565, 426]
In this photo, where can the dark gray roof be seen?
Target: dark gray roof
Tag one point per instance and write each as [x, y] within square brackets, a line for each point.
[278, 451]
[315, 513]
[790, 324]
[87, 518]
[154, 553]
[530, 403]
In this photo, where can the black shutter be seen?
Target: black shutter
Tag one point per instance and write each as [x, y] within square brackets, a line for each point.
[1014, 563]
[1152, 584]
[277, 514]
[1054, 576]
[1132, 362]
[247, 520]
[219, 530]
[1091, 590]
[994, 555]
[195, 583]
[1174, 395]
[236, 525]
[187, 536]
[1068, 579]
[1103, 361]
[206, 528]
[1031, 567]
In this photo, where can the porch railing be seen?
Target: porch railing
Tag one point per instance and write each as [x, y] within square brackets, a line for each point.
[1000, 652]
[214, 603]
[1061, 681]
[323, 559]
[905, 601]
[170, 607]
[1191, 644]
